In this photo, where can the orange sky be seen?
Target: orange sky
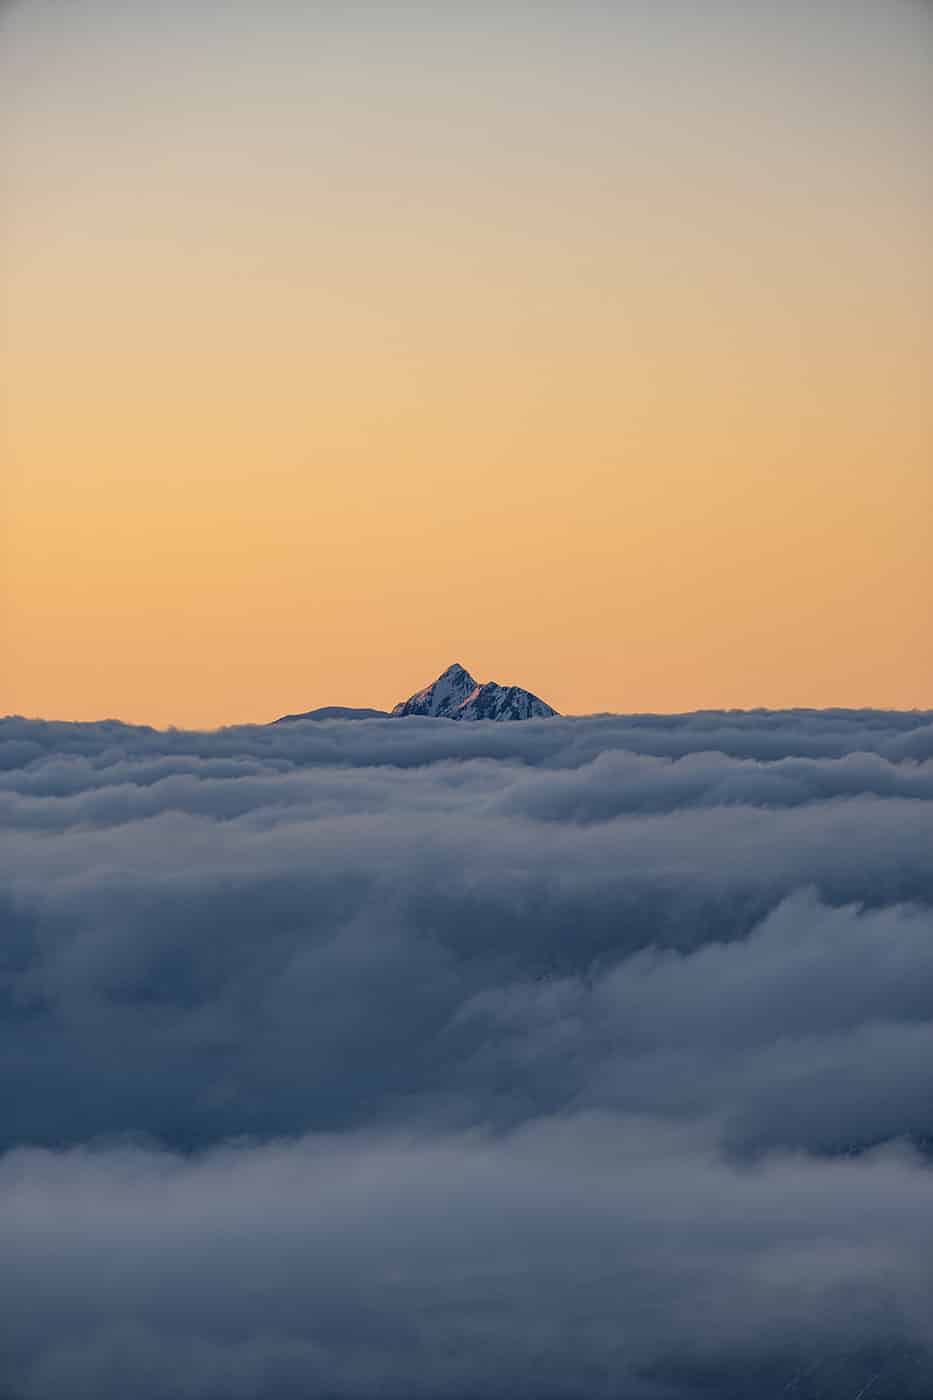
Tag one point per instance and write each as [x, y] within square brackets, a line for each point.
[588, 346]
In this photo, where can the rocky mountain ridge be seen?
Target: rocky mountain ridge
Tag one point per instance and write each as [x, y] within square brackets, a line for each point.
[453, 695]
[456, 695]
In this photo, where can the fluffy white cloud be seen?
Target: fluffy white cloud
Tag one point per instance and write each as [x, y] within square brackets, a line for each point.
[572, 1058]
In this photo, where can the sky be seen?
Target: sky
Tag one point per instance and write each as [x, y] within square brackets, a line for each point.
[580, 1059]
[588, 345]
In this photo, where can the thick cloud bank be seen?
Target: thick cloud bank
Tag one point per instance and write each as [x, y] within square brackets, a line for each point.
[576, 1058]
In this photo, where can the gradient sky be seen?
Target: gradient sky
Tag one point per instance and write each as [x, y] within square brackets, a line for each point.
[587, 344]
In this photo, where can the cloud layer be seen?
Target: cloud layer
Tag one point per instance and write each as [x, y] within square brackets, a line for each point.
[574, 1058]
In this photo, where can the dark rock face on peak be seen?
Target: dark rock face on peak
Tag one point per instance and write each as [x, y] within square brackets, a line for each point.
[456, 695]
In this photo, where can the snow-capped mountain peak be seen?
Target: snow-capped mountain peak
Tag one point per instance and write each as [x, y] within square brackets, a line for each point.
[442, 697]
[456, 695]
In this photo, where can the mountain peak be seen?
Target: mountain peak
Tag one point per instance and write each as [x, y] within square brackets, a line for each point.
[456, 695]
[442, 696]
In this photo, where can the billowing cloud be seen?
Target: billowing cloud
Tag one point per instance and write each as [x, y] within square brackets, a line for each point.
[576, 1057]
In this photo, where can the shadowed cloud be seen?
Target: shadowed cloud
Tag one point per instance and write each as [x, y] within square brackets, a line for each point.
[576, 1057]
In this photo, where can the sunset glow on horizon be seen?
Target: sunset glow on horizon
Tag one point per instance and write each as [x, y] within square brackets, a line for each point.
[587, 345]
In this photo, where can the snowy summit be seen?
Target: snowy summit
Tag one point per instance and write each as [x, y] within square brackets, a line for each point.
[456, 695]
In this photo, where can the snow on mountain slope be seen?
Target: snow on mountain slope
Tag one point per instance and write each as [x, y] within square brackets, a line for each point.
[442, 697]
[456, 695]
[493, 701]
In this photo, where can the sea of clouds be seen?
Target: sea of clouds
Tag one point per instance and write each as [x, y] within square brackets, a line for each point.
[402, 1058]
